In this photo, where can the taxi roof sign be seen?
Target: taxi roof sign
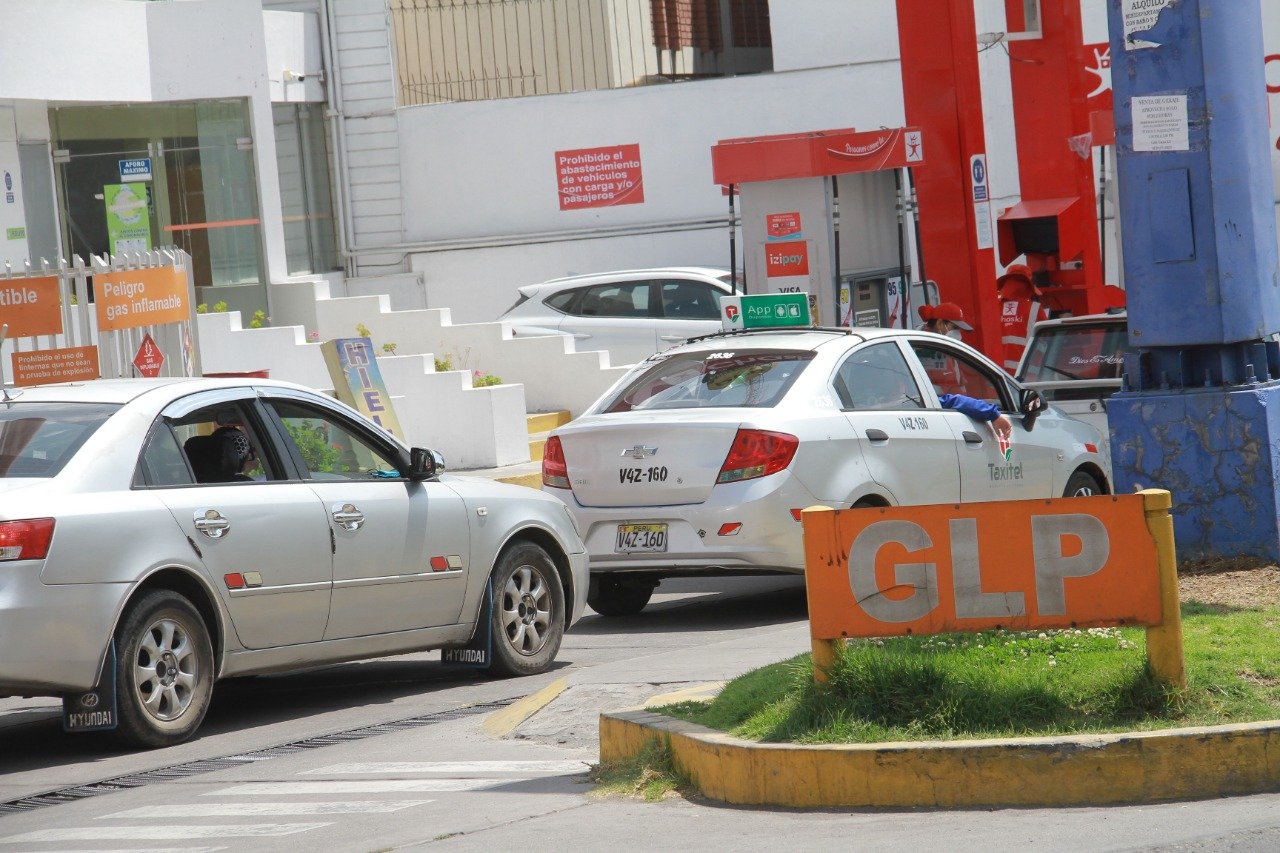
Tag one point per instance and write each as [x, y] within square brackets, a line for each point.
[765, 310]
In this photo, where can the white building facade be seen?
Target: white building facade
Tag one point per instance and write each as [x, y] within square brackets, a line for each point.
[296, 140]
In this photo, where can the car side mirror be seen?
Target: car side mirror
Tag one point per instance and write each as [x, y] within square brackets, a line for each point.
[1031, 404]
[425, 464]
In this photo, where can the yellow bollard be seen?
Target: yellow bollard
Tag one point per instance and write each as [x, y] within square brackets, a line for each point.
[1164, 641]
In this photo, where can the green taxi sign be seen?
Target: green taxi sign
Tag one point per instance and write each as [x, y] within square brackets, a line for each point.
[765, 310]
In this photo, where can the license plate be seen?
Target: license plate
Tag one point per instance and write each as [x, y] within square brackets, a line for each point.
[641, 537]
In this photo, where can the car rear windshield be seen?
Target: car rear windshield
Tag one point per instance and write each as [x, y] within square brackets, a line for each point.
[721, 379]
[1076, 351]
[37, 439]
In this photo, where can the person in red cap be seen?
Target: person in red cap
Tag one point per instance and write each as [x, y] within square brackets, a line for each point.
[1020, 309]
[944, 319]
[947, 319]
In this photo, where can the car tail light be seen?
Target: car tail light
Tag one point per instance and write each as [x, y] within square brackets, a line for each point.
[555, 472]
[757, 453]
[25, 540]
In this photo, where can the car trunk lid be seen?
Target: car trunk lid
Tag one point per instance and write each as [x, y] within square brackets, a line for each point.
[672, 458]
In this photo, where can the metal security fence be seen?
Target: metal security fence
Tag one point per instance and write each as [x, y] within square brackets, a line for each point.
[67, 295]
[468, 50]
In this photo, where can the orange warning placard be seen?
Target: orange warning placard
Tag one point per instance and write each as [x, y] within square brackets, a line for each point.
[146, 297]
[1019, 565]
[69, 364]
[30, 306]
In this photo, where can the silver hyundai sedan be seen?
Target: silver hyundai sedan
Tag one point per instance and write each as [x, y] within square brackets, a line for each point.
[701, 458]
[157, 535]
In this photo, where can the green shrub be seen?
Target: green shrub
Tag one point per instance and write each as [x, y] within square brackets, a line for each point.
[480, 379]
[313, 444]
[259, 319]
[220, 307]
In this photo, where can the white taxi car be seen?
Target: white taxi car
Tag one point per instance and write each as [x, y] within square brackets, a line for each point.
[159, 534]
[700, 459]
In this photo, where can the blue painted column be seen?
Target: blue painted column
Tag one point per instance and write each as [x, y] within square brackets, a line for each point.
[1200, 412]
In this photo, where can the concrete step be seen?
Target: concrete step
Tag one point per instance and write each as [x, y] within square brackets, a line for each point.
[547, 421]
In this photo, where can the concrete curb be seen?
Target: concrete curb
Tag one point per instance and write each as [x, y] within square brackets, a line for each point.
[1140, 767]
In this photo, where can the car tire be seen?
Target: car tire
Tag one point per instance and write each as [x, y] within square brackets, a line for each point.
[164, 671]
[611, 596]
[527, 622]
[1082, 485]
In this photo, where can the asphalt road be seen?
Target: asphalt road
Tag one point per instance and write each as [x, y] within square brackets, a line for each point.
[402, 752]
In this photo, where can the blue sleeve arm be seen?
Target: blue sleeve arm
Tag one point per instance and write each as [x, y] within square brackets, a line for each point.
[976, 409]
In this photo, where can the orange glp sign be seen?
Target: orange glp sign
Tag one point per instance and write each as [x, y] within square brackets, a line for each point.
[1019, 565]
[145, 297]
[30, 306]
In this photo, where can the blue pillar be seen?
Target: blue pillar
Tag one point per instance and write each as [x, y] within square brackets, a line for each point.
[1200, 412]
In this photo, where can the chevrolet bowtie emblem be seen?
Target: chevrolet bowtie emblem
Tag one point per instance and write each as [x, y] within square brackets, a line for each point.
[640, 451]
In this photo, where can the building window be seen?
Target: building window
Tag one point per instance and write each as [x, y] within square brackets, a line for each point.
[470, 50]
[302, 161]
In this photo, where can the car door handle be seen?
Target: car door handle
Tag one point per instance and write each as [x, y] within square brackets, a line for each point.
[971, 437]
[877, 435]
[580, 336]
[671, 337]
[212, 523]
[347, 516]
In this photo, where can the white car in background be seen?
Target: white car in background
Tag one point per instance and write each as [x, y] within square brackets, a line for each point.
[630, 313]
[159, 534]
[700, 459]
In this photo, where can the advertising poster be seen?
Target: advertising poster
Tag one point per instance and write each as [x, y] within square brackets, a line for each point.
[357, 381]
[599, 177]
[128, 222]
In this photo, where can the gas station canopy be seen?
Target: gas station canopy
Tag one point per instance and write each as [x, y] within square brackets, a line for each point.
[814, 154]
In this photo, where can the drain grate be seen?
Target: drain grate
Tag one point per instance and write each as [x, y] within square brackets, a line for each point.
[210, 765]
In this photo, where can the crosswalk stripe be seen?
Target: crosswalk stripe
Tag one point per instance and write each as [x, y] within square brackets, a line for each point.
[198, 810]
[354, 786]
[126, 833]
[392, 767]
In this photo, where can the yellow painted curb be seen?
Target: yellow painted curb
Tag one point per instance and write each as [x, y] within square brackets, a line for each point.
[533, 481]
[688, 694]
[1139, 767]
[502, 723]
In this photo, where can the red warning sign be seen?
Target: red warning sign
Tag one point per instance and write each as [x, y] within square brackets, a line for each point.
[149, 359]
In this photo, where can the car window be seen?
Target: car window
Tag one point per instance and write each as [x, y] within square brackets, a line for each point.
[219, 444]
[331, 449]
[1076, 351]
[38, 439]
[751, 378]
[953, 372]
[562, 301]
[877, 378]
[690, 300]
[163, 462]
[619, 299]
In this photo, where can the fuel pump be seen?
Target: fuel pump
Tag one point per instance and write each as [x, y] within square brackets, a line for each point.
[829, 214]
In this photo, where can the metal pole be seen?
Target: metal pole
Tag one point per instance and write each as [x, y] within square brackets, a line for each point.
[904, 285]
[733, 249]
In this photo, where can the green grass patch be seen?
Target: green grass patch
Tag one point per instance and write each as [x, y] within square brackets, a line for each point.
[1008, 684]
[650, 774]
